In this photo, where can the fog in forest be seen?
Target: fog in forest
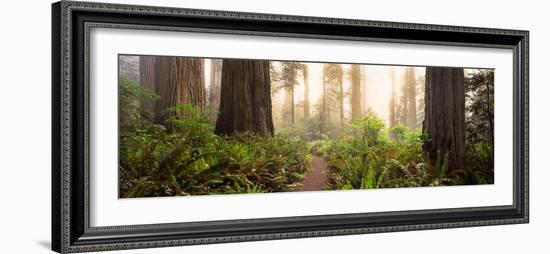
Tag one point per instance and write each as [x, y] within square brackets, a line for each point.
[198, 126]
[378, 84]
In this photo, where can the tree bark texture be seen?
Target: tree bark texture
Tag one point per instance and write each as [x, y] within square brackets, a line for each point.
[444, 121]
[180, 80]
[245, 104]
[147, 72]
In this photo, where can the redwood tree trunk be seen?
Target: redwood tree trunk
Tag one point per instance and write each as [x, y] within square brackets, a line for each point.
[364, 104]
[305, 73]
[323, 113]
[245, 104]
[289, 77]
[341, 95]
[148, 79]
[147, 75]
[180, 80]
[355, 91]
[411, 93]
[393, 102]
[444, 121]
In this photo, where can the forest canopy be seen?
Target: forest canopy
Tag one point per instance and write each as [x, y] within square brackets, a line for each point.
[198, 126]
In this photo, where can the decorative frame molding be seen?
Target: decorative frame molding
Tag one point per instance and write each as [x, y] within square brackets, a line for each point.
[71, 22]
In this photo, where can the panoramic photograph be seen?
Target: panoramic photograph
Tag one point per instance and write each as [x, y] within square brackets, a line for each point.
[207, 126]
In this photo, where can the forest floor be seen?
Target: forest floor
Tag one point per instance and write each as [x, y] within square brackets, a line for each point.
[315, 176]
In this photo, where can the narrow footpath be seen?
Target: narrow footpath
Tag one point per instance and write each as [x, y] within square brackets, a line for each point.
[315, 176]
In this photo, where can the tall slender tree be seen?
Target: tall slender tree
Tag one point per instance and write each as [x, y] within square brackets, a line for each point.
[444, 122]
[355, 101]
[364, 89]
[323, 112]
[411, 94]
[340, 82]
[245, 104]
[289, 75]
[333, 86]
[305, 75]
[393, 101]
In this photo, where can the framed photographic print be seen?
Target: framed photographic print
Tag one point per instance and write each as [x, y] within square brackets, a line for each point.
[180, 126]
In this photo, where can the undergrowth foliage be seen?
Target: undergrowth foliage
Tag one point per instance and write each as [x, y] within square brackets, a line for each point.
[379, 157]
[191, 160]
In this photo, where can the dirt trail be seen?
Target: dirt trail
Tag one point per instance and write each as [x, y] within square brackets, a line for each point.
[316, 176]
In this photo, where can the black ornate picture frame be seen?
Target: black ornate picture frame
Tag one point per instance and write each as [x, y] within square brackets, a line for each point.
[71, 23]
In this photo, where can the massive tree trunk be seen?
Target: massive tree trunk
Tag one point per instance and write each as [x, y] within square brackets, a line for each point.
[305, 73]
[180, 80]
[355, 101]
[245, 104]
[444, 121]
[411, 93]
[215, 86]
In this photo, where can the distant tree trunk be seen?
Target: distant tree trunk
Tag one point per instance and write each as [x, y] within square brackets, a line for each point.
[148, 80]
[411, 93]
[333, 90]
[289, 79]
[403, 109]
[180, 80]
[340, 81]
[245, 103]
[305, 73]
[292, 108]
[214, 91]
[355, 101]
[392, 104]
[323, 113]
[364, 105]
[444, 121]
